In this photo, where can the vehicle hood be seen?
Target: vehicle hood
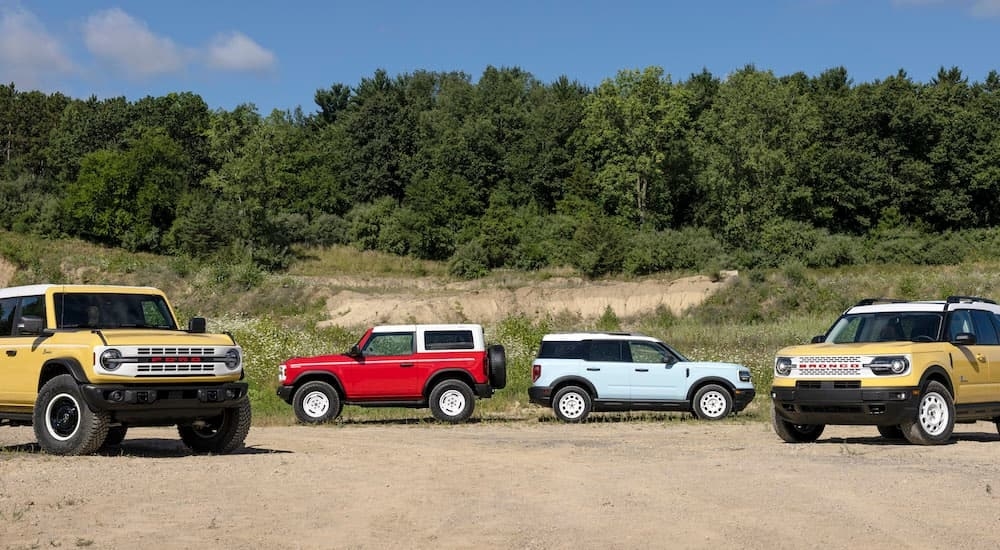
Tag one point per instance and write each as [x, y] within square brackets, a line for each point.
[710, 365]
[868, 348]
[331, 359]
[141, 337]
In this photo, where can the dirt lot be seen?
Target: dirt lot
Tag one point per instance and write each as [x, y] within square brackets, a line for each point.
[517, 484]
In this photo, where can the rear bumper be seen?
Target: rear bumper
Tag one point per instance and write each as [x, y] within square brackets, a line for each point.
[540, 395]
[858, 406]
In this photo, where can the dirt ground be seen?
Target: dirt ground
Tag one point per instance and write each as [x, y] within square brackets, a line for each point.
[508, 484]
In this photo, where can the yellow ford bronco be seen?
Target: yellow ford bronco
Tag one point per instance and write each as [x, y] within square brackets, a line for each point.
[911, 368]
[83, 363]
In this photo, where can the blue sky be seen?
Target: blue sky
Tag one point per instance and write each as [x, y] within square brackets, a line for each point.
[277, 54]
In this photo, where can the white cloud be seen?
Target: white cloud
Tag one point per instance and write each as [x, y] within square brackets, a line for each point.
[129, 44]
[29, 55]
[236, 51]
[986, 8]
[977, 8]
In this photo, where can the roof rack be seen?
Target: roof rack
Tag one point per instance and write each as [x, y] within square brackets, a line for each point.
[870, 301]
[958, 299]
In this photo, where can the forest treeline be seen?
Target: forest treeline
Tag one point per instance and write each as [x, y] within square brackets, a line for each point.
[638, 175]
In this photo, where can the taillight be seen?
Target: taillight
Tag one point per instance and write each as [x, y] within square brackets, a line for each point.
[536, 372]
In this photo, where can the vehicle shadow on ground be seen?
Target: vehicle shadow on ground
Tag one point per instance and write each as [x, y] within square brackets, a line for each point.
[881, 441]
[423, 421]
[145, 448]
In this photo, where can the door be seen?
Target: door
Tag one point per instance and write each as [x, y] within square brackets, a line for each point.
[655, 376]
[972, 373]
[607, 369]
[388, 369]
[21, 355]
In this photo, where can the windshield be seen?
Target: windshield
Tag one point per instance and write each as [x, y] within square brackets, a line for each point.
[108, 311]
[906, 326]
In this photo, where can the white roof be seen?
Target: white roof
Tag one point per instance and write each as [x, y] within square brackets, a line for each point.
[414, 328]
[931, 305]
[37, 290]
[574, 336]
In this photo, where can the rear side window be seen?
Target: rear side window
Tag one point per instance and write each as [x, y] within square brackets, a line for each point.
[561, 350]
[985, 333]
[7, 306]
[32, 306]
[606, 350]
[448, 339]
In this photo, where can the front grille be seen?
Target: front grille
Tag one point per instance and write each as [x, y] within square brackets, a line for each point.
[809, 384]
[834, 384]
[846, 409]
[174, 368]
[175, 361]
[144, 352]
[846, 384]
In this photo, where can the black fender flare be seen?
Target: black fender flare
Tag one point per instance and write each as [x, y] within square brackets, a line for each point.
[448, 374]
[61, 365]
[710, 380]
[574, 380]
[937, 372]
[321, 375]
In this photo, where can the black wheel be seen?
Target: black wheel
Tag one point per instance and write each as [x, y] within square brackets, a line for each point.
[316, 402]
[221, 434]
[712, 402]
[572, 404]
[891, 432]
[497, 359]
[795, 433]
[935, 418]
[452, 401]
[116, 434]
[63, 423]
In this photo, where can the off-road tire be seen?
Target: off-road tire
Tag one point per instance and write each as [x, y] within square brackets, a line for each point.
[795, 433]
[316, 402]
[63, 423]
[892, 432]
[116, 434]
[572, 404]
[220, 435]
[935, 417]
[452, 401]
[712, 402]
[496, 358]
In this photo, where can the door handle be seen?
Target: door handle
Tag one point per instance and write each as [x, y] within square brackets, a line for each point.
[405, 365]
[11, 352]
[593, 369]
[641, 370]
[981, 358]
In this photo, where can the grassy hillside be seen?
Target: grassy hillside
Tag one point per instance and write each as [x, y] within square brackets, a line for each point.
[274, 316]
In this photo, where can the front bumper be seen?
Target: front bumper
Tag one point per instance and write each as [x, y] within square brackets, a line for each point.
[285, 393]
[828, 404]
[742, 398]
[163, 397]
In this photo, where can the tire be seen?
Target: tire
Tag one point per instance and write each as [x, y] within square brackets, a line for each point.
[572, 404]
[935, 418]
[712, 402]
[452, 401]
[795, 433]
[63, 423]
[891, 432]
[496, 357]
[221, 434]
[116, 434]
[316, 402]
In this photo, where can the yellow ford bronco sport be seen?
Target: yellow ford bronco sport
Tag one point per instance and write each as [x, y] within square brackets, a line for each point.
[910, 368]
[83, 363]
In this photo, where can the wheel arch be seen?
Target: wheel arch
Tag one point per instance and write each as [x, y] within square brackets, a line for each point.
[937, 373]
[702, 382]
[448, 374]
[58, 366]
[319, 376]
[560, 383]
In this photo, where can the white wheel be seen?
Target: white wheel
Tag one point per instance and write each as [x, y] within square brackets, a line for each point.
[935, 418]
[571, 404]
[712, 402]
[315, 404]
[933, 414]
[452, 402]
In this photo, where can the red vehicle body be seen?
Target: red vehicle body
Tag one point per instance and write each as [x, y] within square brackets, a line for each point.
[444, 367]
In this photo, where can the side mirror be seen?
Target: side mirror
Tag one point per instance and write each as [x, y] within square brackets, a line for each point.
[196, 325]
[355, 351]
[964, 339]
[30, 324]
[818, 339]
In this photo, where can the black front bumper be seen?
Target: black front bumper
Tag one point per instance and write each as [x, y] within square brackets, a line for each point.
[163, 397]
[285, 393]
[829, 404]
[742, 398]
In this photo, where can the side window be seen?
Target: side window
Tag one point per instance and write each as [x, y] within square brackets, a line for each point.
[960, 321]
[985, 333]
[606, 350]
[448, 339]
[389, 343]
[644, 352]
[32, 307]
[556, 349]
[7, 306]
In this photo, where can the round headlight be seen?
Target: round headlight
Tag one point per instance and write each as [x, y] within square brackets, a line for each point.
[898, 365]
[783, 366]
[111, 359]
[232, 359]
